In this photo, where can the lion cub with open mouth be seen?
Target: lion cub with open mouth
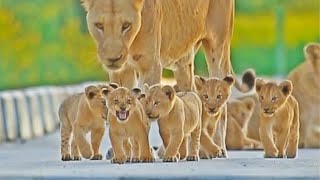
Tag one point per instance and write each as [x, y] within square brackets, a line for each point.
[179, 117]
[214, 94]
[279, 119]
[128, 123]
[80, 114]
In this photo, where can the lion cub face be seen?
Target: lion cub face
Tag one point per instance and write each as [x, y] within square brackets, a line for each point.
[121, 102]
[241, 110]
[272, 96]
[158, 100]
[96, 100]
[113, 24]
[214, 92]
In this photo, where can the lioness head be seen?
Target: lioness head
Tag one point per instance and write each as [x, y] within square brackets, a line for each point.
[312, 54]
[241, 110]
[213, 92]
[121, 101]
[113, 24]
[96, 100]
[158, 100]
[272, 96]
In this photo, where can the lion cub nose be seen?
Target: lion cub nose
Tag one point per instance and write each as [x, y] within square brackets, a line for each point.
[212, 109]
[116, 58]
[122, 108]
[266, 109]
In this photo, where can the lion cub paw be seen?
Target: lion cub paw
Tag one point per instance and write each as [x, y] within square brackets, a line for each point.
[119, 160]
[66, 157]
[170, 159]
[271, 155]
[76, 158]
[193, 158]
[135, 160]
[217, 153]
[147, 159]
[97, 157]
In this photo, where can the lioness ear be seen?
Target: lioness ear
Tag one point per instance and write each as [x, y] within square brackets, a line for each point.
[259, 83]
[113, 85]
[91, 91]
[286, 87]
[229, 79]
[136, 92]
[249, 102]
[200, 82]
[312, 52]
[87, 4]
[138, 4]
[169, 91]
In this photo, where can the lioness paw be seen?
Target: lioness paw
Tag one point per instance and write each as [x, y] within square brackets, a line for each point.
[119, 160]
[76, 158]
[170, 159]
[193, 158]
[97, 157]
[66, 157]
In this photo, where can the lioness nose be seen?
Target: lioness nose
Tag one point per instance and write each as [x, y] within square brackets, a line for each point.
[115, 59]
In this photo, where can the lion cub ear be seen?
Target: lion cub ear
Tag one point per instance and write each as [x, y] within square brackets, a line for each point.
[91, 91]
[87, 4]
[169, 91]
[312, 52]
[249, 102]
[113, 85]
[259, 83]
[286, 87]
[200, 82]
[229, 79]
[107, 89]
[138, 4]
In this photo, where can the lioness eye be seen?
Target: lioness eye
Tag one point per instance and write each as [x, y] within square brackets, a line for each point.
[99, 26]
[274, 98]
[126, 26]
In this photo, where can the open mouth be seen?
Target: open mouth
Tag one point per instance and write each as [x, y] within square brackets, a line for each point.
[122, 115]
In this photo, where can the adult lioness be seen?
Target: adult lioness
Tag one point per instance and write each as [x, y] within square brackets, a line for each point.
[306, 87]
[137, 36]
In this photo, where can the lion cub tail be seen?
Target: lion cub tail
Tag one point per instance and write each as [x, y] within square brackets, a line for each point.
[248, 81]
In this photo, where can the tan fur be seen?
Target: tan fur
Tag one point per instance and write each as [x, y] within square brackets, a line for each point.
[80, 114]
[279, 119]
[239, 113]
[306, 87]
[178, 117]
[129, 126]
[214, 94]
[143, 37]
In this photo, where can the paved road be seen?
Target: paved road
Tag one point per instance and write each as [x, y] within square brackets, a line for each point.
[40, 159]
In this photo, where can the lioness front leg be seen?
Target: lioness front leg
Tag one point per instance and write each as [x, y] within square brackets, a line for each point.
[266, 138]
[126, 76]
[184, 74]
[150, 73]
[209, 146]
[96, 138]
[117, 145]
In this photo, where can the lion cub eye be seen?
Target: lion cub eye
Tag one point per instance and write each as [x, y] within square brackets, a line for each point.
[219, 96]
[129, 101]
[156, 103]
[205, 96]
[261, 97]
[116, 101]
[274, 98]
[99, 26]
[125, 27]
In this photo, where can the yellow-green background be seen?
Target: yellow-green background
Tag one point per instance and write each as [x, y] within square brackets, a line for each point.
[46, 42]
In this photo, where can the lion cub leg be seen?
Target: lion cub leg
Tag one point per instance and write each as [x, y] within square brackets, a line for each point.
[127, 145]
[193, 154]
[266, 137]
[117, 146]
[293, 141]
[282, 142]
[183, 148]
[209, 146]
[172, 141]
[82, 143]
[65, 141]
[75, 150]
[146, 154]
[96, 138]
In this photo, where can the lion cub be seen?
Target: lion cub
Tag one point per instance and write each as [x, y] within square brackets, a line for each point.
[214, 94]
[178, 117]
[128, 123]
[279, 119]
[239, 114]
[80, 114]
